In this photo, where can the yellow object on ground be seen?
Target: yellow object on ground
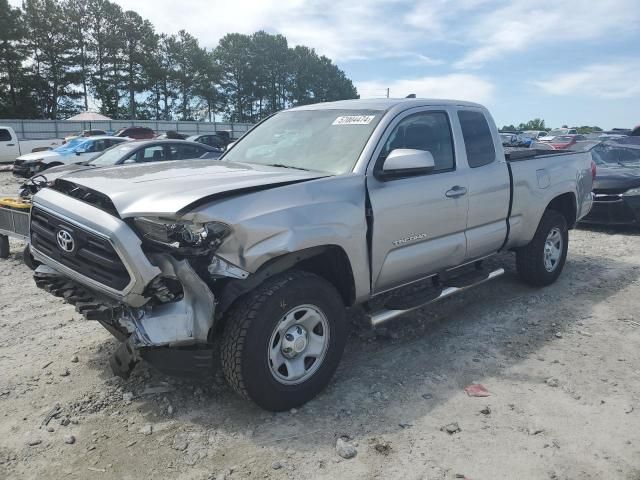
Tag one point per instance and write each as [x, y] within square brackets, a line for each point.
[15, 203]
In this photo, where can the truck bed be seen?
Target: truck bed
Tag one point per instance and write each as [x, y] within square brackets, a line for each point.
[514, 154]
[536, 183]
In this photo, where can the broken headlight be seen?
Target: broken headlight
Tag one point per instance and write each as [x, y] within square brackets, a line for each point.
[182, 234]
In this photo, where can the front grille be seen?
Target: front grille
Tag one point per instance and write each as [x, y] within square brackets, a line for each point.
[92, 256]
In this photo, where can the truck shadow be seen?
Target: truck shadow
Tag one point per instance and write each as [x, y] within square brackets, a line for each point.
[631, 230]
[393, 376]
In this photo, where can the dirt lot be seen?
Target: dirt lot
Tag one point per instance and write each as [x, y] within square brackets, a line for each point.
[562, 366]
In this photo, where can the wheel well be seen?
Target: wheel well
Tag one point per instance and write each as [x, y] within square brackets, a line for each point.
[328, 261]
[333, 265]
[566, 205]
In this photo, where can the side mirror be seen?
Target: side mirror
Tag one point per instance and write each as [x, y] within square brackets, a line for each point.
[403, 162]
[80, 152]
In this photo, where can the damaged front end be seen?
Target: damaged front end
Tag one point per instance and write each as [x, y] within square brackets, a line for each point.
[171, 304]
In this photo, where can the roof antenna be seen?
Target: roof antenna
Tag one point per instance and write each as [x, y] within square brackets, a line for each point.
[411, 95]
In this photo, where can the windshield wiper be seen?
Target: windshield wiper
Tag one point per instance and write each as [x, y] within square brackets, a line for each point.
[622, 164]
[286, 166]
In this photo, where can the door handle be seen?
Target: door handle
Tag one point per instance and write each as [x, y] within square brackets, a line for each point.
[456, 192]
[11, 144]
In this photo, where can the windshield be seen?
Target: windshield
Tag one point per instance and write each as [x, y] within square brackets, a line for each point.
[323, 140]
[70, 146]
[112, 155]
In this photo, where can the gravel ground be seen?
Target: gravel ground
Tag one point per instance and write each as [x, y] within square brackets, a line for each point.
[561, 365]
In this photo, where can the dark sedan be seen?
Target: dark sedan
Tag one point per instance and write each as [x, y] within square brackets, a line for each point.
[135, 151]
[617, 185]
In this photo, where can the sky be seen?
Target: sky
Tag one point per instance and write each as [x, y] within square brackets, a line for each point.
[574, 62]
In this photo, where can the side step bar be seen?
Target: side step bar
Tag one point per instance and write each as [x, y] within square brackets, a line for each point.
[384, 315]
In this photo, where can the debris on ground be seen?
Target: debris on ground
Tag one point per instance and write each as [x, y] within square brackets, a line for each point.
[451, 428]
[552, 382]
[476, 390]
[345, 448]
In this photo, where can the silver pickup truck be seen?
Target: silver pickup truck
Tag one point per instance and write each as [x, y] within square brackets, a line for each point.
[318, 208]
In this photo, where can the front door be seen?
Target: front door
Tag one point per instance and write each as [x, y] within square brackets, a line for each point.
[418, 221]
[9, 148]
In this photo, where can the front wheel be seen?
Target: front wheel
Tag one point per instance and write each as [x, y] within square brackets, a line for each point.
[28, 259]
[541, 261]
[283, 341]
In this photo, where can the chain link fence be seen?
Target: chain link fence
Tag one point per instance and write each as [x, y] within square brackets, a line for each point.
[43, 129]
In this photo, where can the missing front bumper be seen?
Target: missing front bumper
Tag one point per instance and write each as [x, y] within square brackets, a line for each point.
[182, 323]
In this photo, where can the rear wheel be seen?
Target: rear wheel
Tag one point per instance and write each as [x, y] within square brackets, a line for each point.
[542, 260]
[283, 341]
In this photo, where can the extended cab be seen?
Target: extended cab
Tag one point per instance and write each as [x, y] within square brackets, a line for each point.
[11, 148]
[316, 209]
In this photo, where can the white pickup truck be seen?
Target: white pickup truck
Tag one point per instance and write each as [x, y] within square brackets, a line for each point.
[11, 147]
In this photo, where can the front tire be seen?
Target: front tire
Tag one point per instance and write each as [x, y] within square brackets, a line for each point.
[28, 259]
[283, 341]
[541, 261]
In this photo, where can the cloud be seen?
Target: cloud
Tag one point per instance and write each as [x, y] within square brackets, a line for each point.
[346, 31]
[459, 86]
[522, 25]
[603, 81]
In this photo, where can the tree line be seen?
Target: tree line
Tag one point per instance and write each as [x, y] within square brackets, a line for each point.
[539, 124]
[59, 57]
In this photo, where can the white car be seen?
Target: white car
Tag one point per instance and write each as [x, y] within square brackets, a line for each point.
[76, 151]
[556, 133]
[11, 148]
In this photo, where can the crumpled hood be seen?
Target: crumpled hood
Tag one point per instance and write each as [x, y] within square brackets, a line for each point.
[616, 179]
[166, 188]
[45, 154]
[55, 172]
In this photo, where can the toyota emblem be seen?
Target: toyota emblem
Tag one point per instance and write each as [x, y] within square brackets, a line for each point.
[65, 241]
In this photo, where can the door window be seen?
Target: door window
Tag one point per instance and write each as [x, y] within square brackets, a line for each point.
[428, 131]
[5, 136]
[100, 145]
[478, 140]
[149, 154]
[189, 151]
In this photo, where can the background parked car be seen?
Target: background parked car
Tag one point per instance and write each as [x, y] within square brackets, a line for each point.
[172, 135]
[535, 134]
[135, 151]
[556, 133]
[137, 133]
[617, 185]
[212, 140]
[77, 150]
[515, 139]
[11, 148]
[566, 141]
[85, 133]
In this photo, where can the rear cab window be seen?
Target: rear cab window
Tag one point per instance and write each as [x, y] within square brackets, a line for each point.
[478, 140]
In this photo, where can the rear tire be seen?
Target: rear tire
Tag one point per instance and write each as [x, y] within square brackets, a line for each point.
[541, 261]
[275, 335]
